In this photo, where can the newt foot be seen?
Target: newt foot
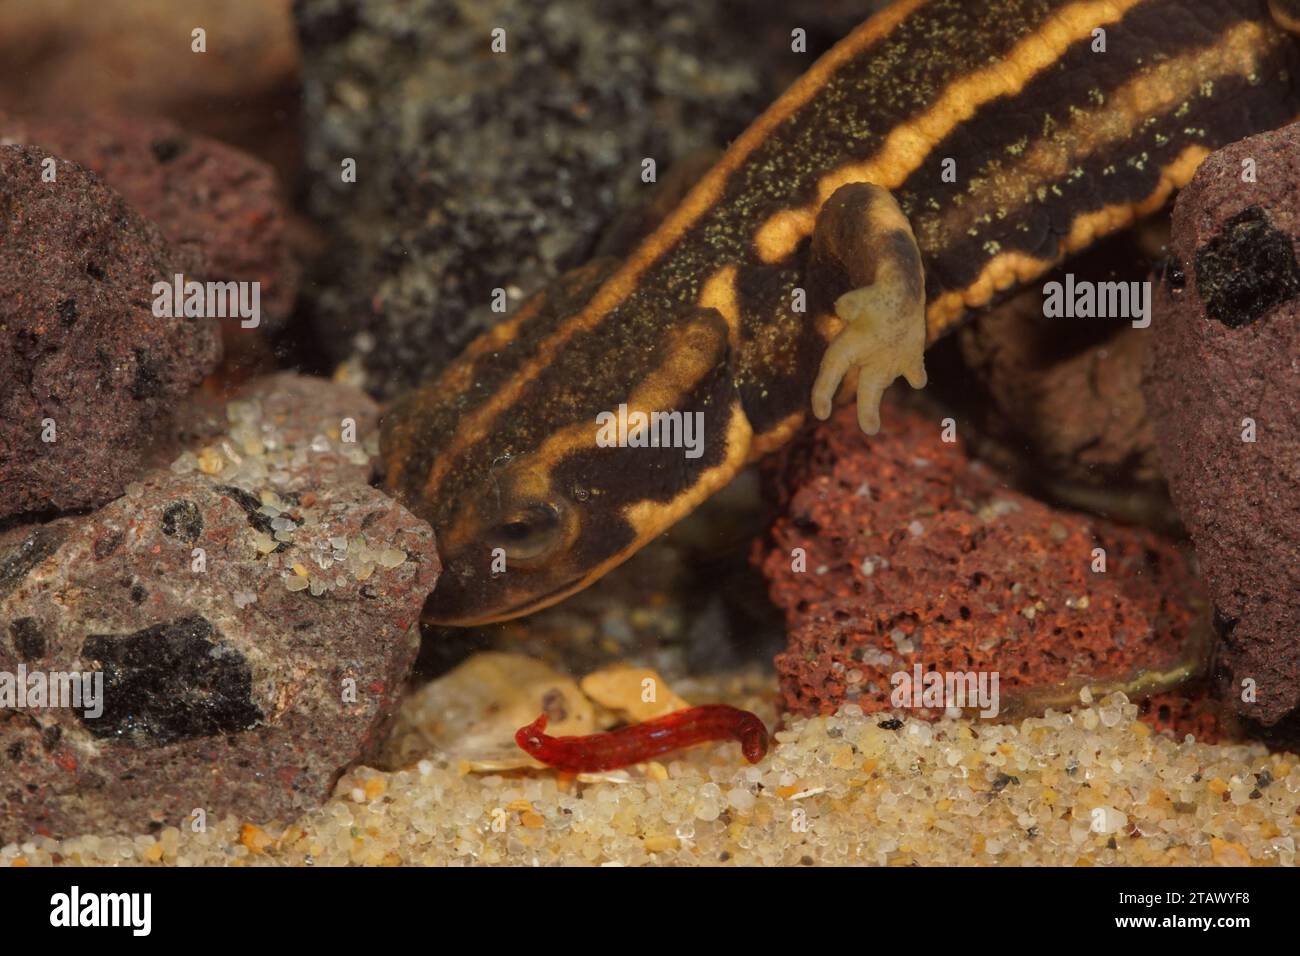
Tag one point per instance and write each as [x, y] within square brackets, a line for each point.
[863, 233]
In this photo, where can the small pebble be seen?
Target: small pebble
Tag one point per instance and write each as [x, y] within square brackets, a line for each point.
[391, 558]
[210, 461]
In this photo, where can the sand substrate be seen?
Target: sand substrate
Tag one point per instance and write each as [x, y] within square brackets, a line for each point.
[1092, 786]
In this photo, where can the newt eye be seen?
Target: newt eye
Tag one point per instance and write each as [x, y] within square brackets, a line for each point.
[529, 533]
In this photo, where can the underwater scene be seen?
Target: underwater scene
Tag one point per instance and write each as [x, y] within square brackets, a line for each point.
[650, 433]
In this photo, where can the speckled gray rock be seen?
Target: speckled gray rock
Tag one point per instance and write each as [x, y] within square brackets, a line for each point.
[253, 610]
[477, 171]
[83, 359]
[1225, 362]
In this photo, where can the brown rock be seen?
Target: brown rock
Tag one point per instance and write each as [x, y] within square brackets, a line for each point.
[66, 56]
[916, 555]
[1082, 414]
[241, 677]
[1224, 360]
[1065, 393]
[83, 359]
[223, 203]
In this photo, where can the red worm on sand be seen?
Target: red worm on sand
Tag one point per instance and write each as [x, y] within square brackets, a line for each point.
[638, 742]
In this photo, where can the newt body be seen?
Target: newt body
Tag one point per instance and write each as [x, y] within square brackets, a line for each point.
[942, 155]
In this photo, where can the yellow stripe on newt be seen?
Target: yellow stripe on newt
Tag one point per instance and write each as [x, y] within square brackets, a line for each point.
[943, 154]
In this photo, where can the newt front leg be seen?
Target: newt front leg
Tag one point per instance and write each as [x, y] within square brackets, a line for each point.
[1059, 145]
[861, 235]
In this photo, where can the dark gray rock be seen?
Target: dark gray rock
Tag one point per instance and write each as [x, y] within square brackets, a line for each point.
[477, 171]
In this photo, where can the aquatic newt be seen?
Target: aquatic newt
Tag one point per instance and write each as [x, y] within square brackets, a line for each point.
[942, 155]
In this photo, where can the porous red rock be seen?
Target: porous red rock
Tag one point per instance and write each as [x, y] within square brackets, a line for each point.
[916, 554]
[1224, 367]
[253, 610]
[1193, 708]
[87, 371]
[200, 193]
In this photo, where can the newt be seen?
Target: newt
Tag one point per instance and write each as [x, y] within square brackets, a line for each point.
[943, 155]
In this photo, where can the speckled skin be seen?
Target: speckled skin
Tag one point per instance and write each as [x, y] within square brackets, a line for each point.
[501, 444]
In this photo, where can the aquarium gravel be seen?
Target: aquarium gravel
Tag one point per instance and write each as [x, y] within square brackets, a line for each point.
[1088, 787]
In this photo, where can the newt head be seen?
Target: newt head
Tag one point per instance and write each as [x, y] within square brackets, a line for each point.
[511, 541]
[507, 453]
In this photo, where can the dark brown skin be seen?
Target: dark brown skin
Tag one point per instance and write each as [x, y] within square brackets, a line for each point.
[499, 452]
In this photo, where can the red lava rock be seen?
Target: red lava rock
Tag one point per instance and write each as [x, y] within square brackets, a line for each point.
[1192, 709]
[918, 555]
[245, 685]
[1223, 360]
[198, 192]
[81, 351]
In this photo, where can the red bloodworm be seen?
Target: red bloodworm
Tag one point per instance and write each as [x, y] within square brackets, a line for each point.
[638, 742]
